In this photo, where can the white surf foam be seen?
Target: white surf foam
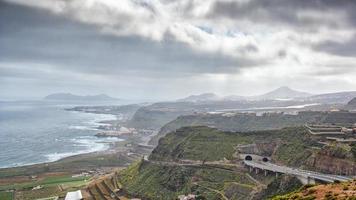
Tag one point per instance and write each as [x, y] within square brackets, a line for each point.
[90, 143]
[78, 127]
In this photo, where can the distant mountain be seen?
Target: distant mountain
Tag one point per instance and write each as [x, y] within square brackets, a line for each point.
[283, 93]
[233, 98]
[201, 97]
[72, 97]
[338, 97]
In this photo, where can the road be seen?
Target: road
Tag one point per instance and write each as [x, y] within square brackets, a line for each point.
[330, 178]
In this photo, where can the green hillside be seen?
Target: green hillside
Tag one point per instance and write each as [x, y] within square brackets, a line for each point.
[203, 143]
[162, 177]
[151, 181]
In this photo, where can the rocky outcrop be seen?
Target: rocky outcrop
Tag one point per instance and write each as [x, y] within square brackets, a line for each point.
[259, 148]
[325, 162]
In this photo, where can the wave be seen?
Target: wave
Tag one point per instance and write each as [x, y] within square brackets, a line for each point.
[94, 123]
[78, 127]
[90, 143]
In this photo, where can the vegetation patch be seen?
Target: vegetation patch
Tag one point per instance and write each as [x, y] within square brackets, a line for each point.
[4, 195]
[153, 181]
[208, 144]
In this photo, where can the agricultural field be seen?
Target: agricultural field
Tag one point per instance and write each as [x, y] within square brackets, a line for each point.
[44, 187]
[4, 195]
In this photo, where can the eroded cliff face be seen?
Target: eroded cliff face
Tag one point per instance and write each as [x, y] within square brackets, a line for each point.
[327, 162]
[259, 148]
[268, 148]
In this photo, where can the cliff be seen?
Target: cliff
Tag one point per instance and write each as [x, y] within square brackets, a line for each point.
[335, 159]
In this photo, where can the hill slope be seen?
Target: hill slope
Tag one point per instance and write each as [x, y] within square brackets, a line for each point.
[205, 162]
[240, 122]
[351, 105]
[335, 191]
[160, 178]
[330, 98]
[200, 142]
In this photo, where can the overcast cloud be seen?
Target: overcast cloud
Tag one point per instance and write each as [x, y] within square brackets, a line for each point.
[129, 48]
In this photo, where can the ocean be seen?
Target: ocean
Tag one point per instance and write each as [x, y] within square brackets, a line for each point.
[34, 132]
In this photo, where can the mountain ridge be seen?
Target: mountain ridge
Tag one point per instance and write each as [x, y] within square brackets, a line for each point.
[279, 93]
[200, 97]
[283, 93]
[73, 97]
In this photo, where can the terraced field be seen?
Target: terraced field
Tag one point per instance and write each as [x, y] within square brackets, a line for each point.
[106, 188]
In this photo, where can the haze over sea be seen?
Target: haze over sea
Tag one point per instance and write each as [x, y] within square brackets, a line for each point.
[37, 131]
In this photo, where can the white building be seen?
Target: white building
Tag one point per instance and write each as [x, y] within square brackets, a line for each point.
[76, 195]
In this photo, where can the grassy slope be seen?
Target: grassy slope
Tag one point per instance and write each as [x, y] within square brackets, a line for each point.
[203, 143]
[152, 181]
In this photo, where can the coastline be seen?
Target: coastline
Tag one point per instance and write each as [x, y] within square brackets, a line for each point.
[74, 169]
[67, 134]
[117, 152]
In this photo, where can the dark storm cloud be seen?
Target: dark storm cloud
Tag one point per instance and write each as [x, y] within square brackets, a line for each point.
[35, 36]
[286, 11]
[175, 47]
[345, 48]
[341, 16]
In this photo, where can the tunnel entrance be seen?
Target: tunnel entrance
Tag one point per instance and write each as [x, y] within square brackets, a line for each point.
[248, 158]
[265, 159]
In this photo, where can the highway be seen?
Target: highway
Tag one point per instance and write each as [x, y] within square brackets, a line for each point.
[330, 178]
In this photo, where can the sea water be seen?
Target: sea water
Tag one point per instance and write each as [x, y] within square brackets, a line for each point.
[39, 131]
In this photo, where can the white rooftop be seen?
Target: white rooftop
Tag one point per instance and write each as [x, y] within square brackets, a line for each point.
[77, 195]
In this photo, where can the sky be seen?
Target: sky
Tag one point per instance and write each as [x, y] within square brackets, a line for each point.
[168, 49]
